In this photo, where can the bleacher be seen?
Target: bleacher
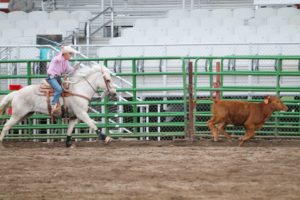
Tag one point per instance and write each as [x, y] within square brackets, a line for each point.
[217, 26]
[19, 27]
[212, 32]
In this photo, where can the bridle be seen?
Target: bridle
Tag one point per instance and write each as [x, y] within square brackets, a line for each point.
[105, 81]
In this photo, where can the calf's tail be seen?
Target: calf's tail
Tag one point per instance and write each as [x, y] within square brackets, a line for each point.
[6, 100]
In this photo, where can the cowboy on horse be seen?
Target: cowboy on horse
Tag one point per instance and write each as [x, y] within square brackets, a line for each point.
[86, 82]
[58, 66]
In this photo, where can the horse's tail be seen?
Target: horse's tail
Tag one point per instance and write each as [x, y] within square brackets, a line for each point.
[6, 100]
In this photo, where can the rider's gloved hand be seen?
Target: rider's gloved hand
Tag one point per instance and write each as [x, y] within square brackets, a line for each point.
[77, 66]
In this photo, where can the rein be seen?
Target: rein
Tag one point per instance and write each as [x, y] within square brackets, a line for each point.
[68, 93]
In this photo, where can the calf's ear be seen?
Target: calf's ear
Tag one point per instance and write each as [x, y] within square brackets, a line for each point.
[267, 100]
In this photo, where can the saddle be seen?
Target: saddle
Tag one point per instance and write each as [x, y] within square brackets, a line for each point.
[46, 90]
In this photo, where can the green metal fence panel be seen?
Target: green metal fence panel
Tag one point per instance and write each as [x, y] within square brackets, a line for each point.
[148, 106]
[153, 96]
[273, 75]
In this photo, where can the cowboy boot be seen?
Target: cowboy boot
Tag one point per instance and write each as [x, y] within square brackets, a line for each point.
[56, 110]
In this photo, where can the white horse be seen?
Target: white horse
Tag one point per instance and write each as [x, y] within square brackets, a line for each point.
[84, 81]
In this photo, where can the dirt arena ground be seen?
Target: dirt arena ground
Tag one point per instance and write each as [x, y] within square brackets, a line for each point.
[262, 170]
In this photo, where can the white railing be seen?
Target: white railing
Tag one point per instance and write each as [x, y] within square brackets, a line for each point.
[89, 23]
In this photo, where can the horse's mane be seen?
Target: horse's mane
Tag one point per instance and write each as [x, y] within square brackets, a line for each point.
[83, 72]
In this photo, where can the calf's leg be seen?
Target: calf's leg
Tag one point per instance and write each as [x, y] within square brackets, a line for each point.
[211, 125]
[222, 130]
[249, 134]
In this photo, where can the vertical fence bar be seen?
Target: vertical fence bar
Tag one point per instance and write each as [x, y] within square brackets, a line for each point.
[195, 77]
[29, 81]
[211, 77]
[28, 73]
[278, 72]
[134, 96]
[106, 110]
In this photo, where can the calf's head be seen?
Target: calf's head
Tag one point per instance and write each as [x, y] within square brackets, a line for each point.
[275, 103]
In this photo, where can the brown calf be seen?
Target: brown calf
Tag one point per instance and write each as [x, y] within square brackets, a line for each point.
[250, 115]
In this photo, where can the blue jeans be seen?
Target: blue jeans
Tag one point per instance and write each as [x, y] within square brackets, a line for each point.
[55, 83]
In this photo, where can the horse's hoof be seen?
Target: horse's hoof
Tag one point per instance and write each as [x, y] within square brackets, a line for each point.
[69, 141]
[108, 140]
[69, 144]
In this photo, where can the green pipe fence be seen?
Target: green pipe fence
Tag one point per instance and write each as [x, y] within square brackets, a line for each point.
[281, 124]
[155, 103]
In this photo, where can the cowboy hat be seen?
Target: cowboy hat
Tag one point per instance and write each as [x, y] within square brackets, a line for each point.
[68, 49]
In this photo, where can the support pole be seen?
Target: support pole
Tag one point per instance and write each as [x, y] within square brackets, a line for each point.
[190, 134]
[112, 19]
[217, 84]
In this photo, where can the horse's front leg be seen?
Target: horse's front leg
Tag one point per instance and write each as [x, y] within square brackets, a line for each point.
[83, 116]
[71, 126]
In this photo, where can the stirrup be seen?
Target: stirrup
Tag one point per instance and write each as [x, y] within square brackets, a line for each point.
[53, 108]
[56, 110]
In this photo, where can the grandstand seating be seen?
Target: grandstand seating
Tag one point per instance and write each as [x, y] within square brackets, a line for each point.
[38, 15]
[3, 15]
[18, 24]
[217, 26]
[243, 13]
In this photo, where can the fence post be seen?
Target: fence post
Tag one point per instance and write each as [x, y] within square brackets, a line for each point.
[190, 134]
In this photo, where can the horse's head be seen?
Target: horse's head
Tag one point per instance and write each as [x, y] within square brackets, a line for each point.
[107, 84]
[97, 77]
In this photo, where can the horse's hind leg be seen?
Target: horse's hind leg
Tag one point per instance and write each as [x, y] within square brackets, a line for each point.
[71, 126]
[12, 121]
[91, 123]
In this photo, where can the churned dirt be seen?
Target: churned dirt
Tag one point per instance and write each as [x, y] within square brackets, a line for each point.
[262, 170]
